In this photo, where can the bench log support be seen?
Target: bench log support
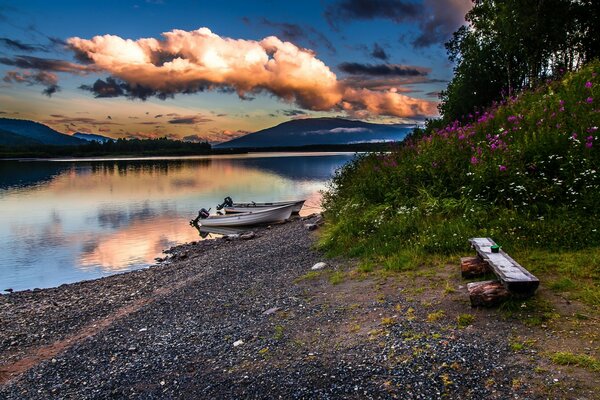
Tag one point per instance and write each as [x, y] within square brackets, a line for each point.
[516, 279]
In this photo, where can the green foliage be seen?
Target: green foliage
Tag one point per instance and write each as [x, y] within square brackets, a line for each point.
[515, 44]
[525, 172]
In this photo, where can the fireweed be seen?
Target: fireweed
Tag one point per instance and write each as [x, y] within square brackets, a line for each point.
[525, 172]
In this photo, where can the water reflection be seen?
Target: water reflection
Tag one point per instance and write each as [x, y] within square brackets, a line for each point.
[68, 221]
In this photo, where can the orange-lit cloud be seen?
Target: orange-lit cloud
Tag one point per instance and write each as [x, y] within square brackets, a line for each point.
[191, 61]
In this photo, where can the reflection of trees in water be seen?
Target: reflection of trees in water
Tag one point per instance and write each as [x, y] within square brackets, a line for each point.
[23, 174]
[145, 167]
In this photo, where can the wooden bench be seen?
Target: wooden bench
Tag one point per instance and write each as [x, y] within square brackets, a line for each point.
[516, 279]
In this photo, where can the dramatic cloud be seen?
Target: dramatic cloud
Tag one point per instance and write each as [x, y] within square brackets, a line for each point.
[300, 33]
[188, 62]
[47, 79]
[398, 83]
[47, 64]
[337, 130]
[114, 87]
[189, 120]
[20, 46]
[436, 19]
[379, 52]
[383, 69]
[444, 18]
[62, 119]
[292, 113]
[194, 139]
[396, 10]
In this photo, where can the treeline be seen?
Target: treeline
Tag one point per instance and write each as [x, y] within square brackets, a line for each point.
[168, 147]
[512, 45]
[139, 147]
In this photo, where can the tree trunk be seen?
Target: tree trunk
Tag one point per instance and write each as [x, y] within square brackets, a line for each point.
[487, 293]
[472, 267]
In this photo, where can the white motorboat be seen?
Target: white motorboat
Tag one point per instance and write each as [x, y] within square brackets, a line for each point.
[255, 217]
[245, 207]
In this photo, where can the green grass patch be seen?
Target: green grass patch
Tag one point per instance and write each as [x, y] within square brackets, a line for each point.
[310, 275]
[435, 316]
[580, 360]
[464, 320]
[573, 272]
[278, 334]
[336, 278]
[534, 311]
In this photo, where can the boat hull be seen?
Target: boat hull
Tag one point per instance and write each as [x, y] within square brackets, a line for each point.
[254, 217]
[245, 207]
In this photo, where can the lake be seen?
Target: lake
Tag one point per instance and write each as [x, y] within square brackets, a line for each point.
[65, 221]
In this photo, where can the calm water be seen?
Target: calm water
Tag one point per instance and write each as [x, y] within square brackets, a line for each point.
[66, 221]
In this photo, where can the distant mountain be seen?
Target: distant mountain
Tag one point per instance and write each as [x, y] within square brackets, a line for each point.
[316, 131]
[92, 137]
[12, 139]
[38, 132]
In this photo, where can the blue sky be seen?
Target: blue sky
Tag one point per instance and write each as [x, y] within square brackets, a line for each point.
[377, 60]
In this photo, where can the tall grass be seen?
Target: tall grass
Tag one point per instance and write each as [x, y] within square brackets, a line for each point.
[524, 172]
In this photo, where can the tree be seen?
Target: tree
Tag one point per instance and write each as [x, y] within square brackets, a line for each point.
[509, 45]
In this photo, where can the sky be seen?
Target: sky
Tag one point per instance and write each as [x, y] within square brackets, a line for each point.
[206, 70]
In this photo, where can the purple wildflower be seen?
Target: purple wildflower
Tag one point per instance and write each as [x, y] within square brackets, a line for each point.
[588, 84]
[502, 168]
[474, 160]
[588, 145]
[589, 100]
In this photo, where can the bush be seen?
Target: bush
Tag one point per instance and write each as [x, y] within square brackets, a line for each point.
[524, 172]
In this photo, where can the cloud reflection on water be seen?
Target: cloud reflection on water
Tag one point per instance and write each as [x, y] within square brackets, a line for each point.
[98, 217]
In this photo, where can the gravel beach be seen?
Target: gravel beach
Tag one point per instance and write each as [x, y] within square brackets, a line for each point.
[248, 319]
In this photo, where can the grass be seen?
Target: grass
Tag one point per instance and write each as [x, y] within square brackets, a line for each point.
[534, 311]
[525, 173]
[572, 273]
[580, 360]
[310, 275]
[464, 320]
[435, 316]
[278, 334]
[336, 278]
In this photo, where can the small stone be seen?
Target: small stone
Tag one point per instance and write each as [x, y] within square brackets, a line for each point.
[311, 227]
[271, 311]
[131, 349]
[143, 330]
[238, 343]
[248, 235]
[233, 236]
[318, 266]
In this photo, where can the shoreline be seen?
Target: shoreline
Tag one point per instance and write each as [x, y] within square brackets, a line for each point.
[250, 319]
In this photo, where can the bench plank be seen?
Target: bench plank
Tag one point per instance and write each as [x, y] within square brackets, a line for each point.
[513, 276]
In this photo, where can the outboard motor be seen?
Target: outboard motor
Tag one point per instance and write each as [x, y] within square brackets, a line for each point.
[202, 214]
[227, 202]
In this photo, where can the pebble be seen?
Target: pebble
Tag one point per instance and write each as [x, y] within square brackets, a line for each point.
[311, 227]
[318, 266]
[208, 304]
